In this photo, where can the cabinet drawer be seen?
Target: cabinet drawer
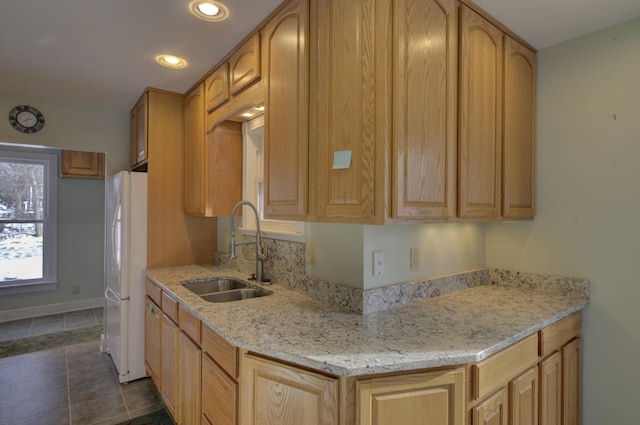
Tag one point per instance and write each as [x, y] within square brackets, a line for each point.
[189, 324]
[225, 354]
[170, 307]
[219, 394]
[153, 291]
[499, 369]
[555, 336]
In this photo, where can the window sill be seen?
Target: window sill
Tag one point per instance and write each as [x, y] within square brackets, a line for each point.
[26, 287]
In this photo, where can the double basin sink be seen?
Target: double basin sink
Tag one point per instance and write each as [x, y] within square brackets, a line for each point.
[224, 289]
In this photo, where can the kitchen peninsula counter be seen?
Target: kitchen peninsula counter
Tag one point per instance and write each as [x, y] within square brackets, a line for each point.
[459, 328]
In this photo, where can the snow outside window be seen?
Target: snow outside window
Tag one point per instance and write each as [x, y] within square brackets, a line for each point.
[28, 206]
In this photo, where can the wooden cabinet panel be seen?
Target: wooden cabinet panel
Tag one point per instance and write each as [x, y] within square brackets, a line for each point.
[432, 398]
[219, 394]
[153, 340]
[169, 389]
[190, 366]
[153, 291]
[553, 337]
[519, 131]
[277, 394]
[139, 131]
[194, 164]
[571, 383]
[480, 116]
[344, 98]
[523, 398]
[169, 306]
[88, 165]
[493, 411]
[424, 108]
[189, 324]
[497, 370]
[217, 87]
[551, 390]
[286, 130]
[225, 354]
[244, 65]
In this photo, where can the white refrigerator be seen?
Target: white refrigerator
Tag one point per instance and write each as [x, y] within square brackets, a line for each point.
[125, 261]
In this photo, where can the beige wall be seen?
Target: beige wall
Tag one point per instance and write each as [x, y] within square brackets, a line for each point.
[587, 222]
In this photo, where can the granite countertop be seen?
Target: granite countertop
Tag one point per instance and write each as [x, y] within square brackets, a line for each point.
[458, 328]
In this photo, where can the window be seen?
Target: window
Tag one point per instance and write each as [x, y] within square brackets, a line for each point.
[28, 205]
[253, 188]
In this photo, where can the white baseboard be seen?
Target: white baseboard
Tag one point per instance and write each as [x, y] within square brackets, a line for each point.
[45, 310]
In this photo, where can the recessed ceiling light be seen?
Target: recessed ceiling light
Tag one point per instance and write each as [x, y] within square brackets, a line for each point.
[209, 10]
[171, 61]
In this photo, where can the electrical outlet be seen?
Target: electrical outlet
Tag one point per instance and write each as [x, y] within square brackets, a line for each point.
[378, 263]
[415, 257]
[75, 289]
[310, 253]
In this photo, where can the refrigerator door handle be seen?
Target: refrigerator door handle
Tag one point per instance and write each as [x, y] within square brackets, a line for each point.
[111, 295]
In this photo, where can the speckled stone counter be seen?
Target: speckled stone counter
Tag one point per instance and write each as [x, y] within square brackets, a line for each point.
[458, 328]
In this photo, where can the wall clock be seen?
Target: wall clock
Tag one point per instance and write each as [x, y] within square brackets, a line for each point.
[26, 119]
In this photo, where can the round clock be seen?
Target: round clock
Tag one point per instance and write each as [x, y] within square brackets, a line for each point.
[26, 119]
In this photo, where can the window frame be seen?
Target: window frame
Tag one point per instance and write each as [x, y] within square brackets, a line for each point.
[49, 280]
[252, 178]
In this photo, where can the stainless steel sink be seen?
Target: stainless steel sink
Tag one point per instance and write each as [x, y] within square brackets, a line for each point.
[224, 290]
[235, 295]
[203, 287]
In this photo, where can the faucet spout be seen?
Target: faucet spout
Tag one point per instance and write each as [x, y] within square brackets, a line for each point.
[261, 254]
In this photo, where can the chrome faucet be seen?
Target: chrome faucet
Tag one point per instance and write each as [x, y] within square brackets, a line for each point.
[261, 254]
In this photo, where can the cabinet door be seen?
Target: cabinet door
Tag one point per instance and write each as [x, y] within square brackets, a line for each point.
[277, 394]
[519, 131]
[194, 139]
[219, 394]
[551, 390]
[433, 398]
[523, 396]
[153, 340]
[217, 87]
[493, 411]
[189, 377]
[133, 136]
[571, 383]
[344, 100]
[141, 141]
[223, 170]
[244, 65]
[424, 102]
[286, 112]
[89, 165]
[480, 116]
[170, 332]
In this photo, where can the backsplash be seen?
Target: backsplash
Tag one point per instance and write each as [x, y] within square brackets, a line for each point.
[286, 266]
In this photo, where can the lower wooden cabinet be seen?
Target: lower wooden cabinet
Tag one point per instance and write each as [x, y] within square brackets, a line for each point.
[169, 389]
[277, 394]
[523, 398]
[493, 411]
[551, 390]
[152, 340]
[431, 398]
[571, 382]
[219, 395]
[190, 381]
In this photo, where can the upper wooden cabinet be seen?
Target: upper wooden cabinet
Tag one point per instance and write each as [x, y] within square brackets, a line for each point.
[424, 61]
[286, 131]
[496, 119]
[139, 131]
[194, 145]
[76, 164]
[217, 87]
[244, 64]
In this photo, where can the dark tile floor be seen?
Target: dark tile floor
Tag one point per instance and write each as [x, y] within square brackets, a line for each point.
[70, 385]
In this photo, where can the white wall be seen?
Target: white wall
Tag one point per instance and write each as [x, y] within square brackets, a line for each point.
[587, 222]
[80, 202]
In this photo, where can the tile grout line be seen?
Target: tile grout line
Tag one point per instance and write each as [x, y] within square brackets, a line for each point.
[66, 365]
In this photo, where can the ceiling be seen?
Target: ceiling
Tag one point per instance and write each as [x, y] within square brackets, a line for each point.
[102, 53]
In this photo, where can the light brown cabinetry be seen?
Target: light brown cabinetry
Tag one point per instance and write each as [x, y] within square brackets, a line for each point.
[423, 146]
[152, 340]
[169, 369]
[496, 121]
[139, 121]
[189, 379]
[244, 65]
[217, 87]
[523, 398]
[286, 130]
[213, 162]
[88, 165]
[493, 411]
[431, 398]
[279, 394]
[220, 370]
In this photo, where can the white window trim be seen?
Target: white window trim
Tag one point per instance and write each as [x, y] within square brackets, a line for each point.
[49, 279]
[252, 177]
